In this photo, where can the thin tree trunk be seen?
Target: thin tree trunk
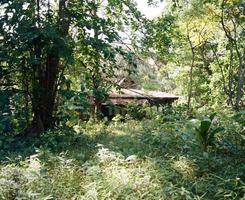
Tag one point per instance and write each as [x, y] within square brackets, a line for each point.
[191, 81]
[240, 81]
[230, 91]
[221, 70]
[205, 62]
[233, 42]
[96, 76]
[190, 89]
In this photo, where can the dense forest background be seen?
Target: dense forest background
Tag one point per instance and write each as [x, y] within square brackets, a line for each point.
[60, 59]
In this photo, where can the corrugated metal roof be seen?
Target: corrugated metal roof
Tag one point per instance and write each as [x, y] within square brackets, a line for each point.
[139, 94]
[126, 96]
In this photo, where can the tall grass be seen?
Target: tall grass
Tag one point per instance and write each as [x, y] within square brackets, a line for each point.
[148, 159]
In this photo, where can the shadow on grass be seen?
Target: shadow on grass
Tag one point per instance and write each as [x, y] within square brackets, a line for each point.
[14, 150]
[177, 166]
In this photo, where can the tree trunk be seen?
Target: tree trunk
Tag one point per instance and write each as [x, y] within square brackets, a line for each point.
[45, 76]
[96, 76]
[205, 61]
[190, 82]
[190, 72]
[240, 81]
[230, 91]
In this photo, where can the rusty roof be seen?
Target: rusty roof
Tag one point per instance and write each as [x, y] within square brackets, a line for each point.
[126, 96]
[141, 94]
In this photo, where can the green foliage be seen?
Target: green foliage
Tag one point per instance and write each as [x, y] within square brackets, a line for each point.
[148, 159]
[40, 41]
[174, 112]
[136, 111]
[60, 61]
[160, 33]
[5, 113]
[206, 132]
[217, 53]
[100, 46]
[240, 117]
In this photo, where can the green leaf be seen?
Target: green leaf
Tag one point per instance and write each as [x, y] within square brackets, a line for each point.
[212, 116]
[212, 134]
[204, 128]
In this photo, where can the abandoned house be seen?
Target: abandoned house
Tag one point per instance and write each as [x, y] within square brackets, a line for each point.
[118, 100]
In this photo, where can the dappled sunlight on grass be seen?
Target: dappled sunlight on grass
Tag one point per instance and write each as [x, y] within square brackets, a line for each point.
[119, 175]
[184, 166]
[133, 160]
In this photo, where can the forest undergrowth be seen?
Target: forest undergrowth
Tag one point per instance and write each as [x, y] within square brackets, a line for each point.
[158, 157]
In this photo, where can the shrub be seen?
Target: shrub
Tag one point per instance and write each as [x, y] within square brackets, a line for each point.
[206, 132]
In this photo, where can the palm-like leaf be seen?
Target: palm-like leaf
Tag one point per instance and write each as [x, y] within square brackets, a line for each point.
[204, 128]
[206, 133]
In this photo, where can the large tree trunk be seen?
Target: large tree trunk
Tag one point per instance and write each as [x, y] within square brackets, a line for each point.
[44, 99]
[45, 76]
